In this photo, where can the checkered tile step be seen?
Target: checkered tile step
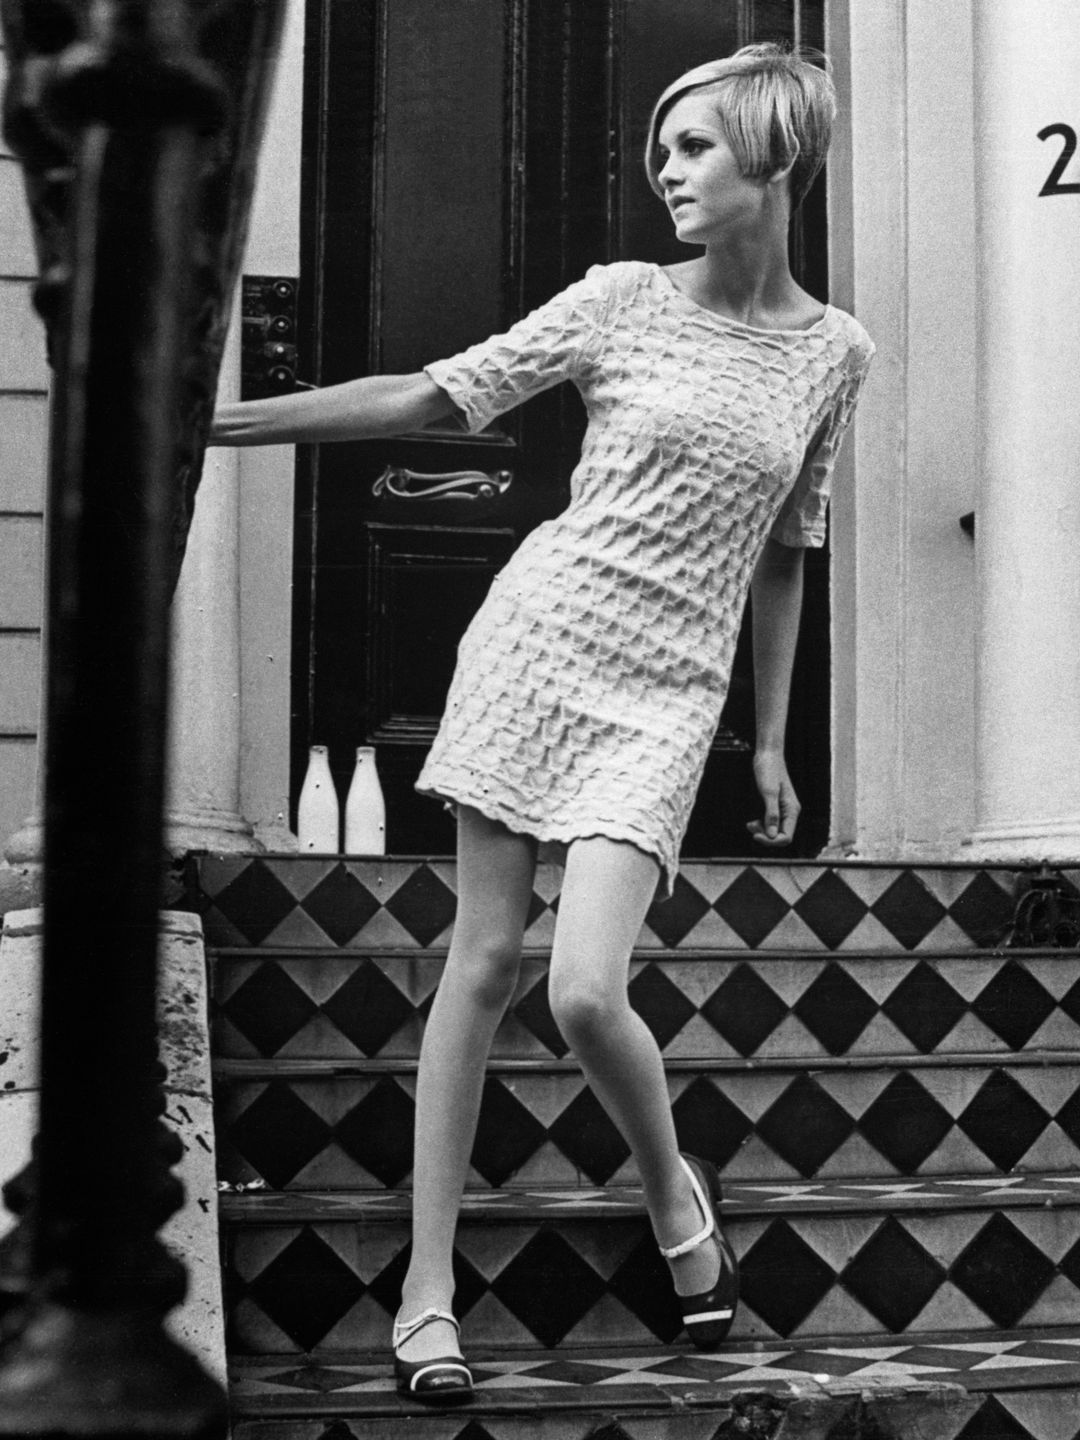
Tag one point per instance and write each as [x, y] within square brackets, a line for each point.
[946, 1192]
[303, 901]
[573, 1269]
[672, 1388]
[763, 1123]
[766, 1005]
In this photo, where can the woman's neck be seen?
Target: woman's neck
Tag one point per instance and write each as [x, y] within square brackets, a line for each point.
[747, 275]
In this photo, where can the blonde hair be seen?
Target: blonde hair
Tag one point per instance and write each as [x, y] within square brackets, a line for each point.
[775, 106]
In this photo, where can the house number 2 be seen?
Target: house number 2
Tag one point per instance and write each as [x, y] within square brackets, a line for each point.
[1053, 184]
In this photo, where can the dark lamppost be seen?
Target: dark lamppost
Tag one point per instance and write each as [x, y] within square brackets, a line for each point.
[137, 122]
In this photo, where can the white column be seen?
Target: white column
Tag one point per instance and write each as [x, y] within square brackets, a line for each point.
[203, 804]
[869, 276]
[266, 480]
[1027, 59]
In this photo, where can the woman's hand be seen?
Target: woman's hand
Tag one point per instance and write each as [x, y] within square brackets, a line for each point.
[781, 803]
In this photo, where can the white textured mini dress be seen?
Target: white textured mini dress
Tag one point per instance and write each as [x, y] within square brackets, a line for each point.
[589, 684]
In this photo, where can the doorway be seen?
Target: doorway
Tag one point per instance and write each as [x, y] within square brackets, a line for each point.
[464, 162]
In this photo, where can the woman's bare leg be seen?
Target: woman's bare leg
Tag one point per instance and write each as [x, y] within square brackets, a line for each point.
[495, 876]
[607, 890]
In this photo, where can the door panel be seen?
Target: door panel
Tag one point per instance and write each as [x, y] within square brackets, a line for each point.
[413, 653]
[463, 162]
[441, 173]
[425, 582]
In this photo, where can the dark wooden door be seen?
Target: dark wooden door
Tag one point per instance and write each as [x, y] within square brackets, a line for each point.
[463, 162]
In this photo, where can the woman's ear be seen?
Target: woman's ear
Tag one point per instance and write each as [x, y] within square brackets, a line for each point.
[782, 175]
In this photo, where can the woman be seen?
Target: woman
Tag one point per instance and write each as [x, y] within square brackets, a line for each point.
[590, 682]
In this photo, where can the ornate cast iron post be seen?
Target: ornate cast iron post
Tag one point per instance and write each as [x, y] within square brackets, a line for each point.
[137, 122]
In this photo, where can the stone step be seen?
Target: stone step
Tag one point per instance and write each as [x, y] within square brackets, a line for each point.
[550, 1268]
[364, 1004]
[286, 901]
[317, 1124]
[945, 1387]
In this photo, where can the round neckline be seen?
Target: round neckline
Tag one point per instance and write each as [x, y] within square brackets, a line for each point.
[730, 320]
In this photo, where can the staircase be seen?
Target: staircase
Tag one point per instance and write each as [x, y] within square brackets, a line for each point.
[891, 1092]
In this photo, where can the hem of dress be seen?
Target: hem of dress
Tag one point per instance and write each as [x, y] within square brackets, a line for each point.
[558, 835]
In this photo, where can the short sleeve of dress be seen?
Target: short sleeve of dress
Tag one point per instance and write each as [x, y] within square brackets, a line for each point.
[551, 344]
[800, 521]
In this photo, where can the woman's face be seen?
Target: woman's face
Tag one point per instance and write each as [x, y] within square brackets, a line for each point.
[704, 189]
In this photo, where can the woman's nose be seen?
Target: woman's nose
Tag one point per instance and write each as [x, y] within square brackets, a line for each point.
[667, 171]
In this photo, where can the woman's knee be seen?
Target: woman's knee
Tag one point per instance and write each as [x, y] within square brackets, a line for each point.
[585, 1012]
[488, 967]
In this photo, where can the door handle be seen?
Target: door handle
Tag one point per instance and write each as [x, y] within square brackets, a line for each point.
[402, 484]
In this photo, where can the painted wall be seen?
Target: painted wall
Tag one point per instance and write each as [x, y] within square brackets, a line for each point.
[23, 416]
[903, 227]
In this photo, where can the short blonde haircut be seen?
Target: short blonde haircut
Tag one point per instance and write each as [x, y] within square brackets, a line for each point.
[775, 106]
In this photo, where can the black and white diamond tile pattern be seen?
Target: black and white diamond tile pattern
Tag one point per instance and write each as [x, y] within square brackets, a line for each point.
[707, 1007]
[355, 1132]
[935, 1193]
[300, 901]
[867, 1365]
[866, 1078]
[528, 1281]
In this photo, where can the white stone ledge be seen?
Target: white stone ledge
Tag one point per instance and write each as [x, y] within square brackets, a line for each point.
[1055, 841]
[192, 1233]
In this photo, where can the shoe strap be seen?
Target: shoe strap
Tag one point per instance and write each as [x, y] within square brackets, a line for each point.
[406, 1329]
[671, 1252]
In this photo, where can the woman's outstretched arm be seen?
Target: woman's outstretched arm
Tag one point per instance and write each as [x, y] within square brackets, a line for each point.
[777, 589]
[364, 409]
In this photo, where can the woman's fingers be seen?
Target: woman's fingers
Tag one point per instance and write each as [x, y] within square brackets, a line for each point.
[777, 828]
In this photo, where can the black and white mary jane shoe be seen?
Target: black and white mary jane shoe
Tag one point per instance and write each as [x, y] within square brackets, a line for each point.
[708, 1316]
[445, 1380]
